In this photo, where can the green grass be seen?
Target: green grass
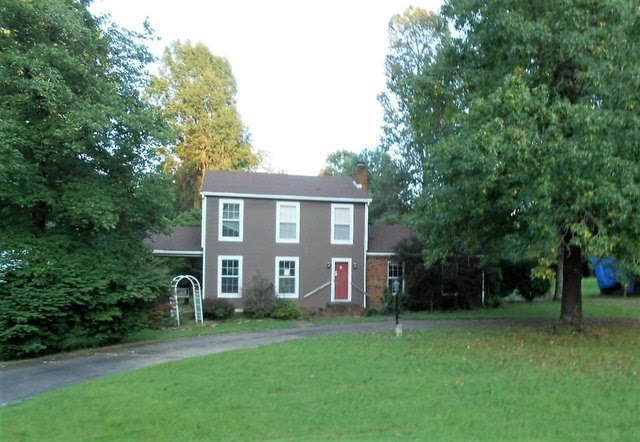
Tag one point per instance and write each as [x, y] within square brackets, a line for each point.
[594, 306]
[190, 329]
[590, 287]
[481, 384]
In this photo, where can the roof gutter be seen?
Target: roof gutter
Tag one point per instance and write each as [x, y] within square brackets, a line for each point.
[287, 197]
[186, 253]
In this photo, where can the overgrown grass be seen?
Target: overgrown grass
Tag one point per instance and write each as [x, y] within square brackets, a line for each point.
[481, 384]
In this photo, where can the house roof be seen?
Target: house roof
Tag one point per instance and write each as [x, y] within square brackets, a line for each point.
[383, 239]
[277, 186]
[182, 241]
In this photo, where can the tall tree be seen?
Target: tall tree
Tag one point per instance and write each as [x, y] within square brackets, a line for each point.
[412, 125]
[78, 192]
[546, 152]
[197, 92]
[342, 162]
[389, 185]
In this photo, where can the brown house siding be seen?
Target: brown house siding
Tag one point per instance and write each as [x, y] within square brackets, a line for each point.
[376, 280]
[259, 249]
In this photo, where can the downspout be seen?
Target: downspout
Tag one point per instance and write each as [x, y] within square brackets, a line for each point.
[366, 247]
[203, 242]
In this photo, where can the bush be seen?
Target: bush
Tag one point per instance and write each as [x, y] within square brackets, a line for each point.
[286, 309]
[518, 276]
[70, 296]
[493, 301]
[217, 309]
[259, 298]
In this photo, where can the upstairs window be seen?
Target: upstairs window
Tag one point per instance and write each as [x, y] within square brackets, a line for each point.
[287, 277]
[230, 222]
[288, 222]
[342, 224]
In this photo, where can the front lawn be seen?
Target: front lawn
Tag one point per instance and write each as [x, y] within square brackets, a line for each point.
[487, 383]
[594, 306]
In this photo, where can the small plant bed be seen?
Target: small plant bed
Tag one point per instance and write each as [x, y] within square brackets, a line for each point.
[483, 384]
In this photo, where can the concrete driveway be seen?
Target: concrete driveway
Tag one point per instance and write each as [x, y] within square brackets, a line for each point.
[22, 380]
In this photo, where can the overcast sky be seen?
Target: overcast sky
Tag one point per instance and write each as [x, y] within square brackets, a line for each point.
[308, 72]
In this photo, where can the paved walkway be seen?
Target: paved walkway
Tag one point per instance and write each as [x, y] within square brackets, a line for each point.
[22, 380]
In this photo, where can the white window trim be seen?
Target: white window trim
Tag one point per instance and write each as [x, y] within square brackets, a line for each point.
[220, 213]
[240, 265]
[333, 279]
[288, 240]
[294, 295]
[400, 266]
[351, 229]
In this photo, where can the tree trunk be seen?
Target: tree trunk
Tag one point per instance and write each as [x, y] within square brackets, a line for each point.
[559, 276]
[571, 307]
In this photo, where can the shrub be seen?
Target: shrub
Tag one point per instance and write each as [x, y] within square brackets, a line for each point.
[286, 309]
[493, 301]
[518, 276]
[259, 298]
[217, 309]
[69, 296]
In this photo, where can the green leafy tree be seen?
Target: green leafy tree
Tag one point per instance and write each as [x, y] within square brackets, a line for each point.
[545, 156]
[389, 185]
[342, 162]
[197, 92]
[418, 103]
[78, 192]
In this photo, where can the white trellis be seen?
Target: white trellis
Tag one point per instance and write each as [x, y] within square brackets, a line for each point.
[197, 298]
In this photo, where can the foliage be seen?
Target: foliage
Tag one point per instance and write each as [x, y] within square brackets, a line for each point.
[494, 301]
[389, 185]
[519, 276]
[259, 298]
[189, 218]
[474, 382]
[543, 153]
[418, 103]
[78, 192]
[197, 93]
[217, 309]
[342, 162]
[286, 309]
[425, 286]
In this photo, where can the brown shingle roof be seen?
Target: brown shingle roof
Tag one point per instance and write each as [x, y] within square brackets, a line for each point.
[383, 239]
[181, 239]
[246, 184]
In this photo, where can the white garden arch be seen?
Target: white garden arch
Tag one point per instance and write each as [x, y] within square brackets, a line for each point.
[197, 298]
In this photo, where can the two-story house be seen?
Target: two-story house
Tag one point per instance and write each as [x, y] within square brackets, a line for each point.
[305, 234]
[308, 235]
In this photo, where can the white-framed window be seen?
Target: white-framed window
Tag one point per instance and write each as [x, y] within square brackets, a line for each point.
[341, 223]
[288, 222]
[287, 276]
[230, 220]
[229, 276]
[395, 272]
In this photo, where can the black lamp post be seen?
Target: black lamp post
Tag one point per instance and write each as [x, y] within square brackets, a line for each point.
[395, 289]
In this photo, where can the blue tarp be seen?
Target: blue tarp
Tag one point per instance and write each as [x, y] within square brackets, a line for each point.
[608, 276]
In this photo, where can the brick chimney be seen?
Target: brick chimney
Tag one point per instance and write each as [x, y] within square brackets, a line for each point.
[361, 177]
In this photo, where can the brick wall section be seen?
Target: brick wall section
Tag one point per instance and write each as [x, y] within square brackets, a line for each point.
[376, 280]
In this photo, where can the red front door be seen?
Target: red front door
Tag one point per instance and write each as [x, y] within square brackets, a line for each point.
[341, 275]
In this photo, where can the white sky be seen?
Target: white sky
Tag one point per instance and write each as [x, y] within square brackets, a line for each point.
[308, 72]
